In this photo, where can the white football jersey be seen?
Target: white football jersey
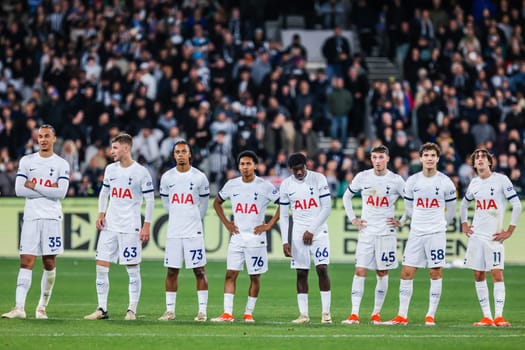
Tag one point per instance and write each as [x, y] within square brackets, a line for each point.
[379, 195]
[249, 201]
[491, 196]
[303, 197]
[428, 196]
[44, 172]
[127, 187]
[184, 191]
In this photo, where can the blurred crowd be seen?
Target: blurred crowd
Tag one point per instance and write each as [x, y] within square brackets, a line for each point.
[207, 72]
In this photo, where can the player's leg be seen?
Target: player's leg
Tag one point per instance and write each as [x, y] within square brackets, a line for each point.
[301, 263]
[51, 232]
[30, 247]
[364, 258]
[379, 295]
[413, 257]
[46, 285]
[256, 264]
[173, 257]
[107, 252]
[385, 259]
[130, 255]
[435, 251]
[320, 253]
[477, 258]
[234, 264]
[253, 293]
[23, 283]
[498, 254]
[195, 257]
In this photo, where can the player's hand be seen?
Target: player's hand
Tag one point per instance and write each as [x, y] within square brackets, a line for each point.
[144, 234]
[393, 222]
[234, 230]
[287, 250]
[261, 228]
[466, 229]
[501, 236]
[101, 221]
[29, 184]
[359, 223]
[308, 237]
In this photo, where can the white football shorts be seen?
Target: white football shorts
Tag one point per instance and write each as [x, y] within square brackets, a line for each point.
[318, 251]
[484, 255]
[190, 250]
[425, 251]
[41, 237]
[256, 259]
[379, 253]
[124, 247]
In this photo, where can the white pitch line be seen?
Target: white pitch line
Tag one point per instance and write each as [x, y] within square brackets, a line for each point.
[310, 336]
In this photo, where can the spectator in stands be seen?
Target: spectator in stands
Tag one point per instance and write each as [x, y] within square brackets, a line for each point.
[336, 51]
[483, 131]
[340, 103]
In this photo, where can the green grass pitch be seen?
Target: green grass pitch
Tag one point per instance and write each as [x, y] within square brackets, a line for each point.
[74, 296]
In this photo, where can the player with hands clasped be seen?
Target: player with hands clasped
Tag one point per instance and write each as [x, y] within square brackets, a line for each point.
[485, 251]
[430, 201]
[126, 185]
[377, 242]
[307, 195]
[43, 179]
[249, 196]
[185, 192]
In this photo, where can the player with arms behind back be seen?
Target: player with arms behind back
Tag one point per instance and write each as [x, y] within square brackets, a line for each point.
[249, 196]
[126, 184]
[485, 250]
[377, 242]
[43, 179]
[430, 200]
[185, 192]
[307, 195]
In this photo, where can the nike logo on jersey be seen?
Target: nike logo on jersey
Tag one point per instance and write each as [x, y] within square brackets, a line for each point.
[235, 194]
[112, 178]
[366, 187]
[291, 193]
[416, 189]
[32, 169]
[170, 186]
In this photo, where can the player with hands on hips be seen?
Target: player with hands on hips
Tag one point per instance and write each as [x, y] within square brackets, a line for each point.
[377, 241]
[485, 251]
[249, 195]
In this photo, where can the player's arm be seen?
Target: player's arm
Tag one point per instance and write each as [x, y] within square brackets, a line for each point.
[408, 196]
[284, 222]
[267, 226]
[164, 193]
[103, 199]
[204, 199]
[450, 203]
[347, 203]
[515, 215]
[326, 206]
[463, 213]
[21, 190]
[58, 192]
[230, 225]
[149, 198]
